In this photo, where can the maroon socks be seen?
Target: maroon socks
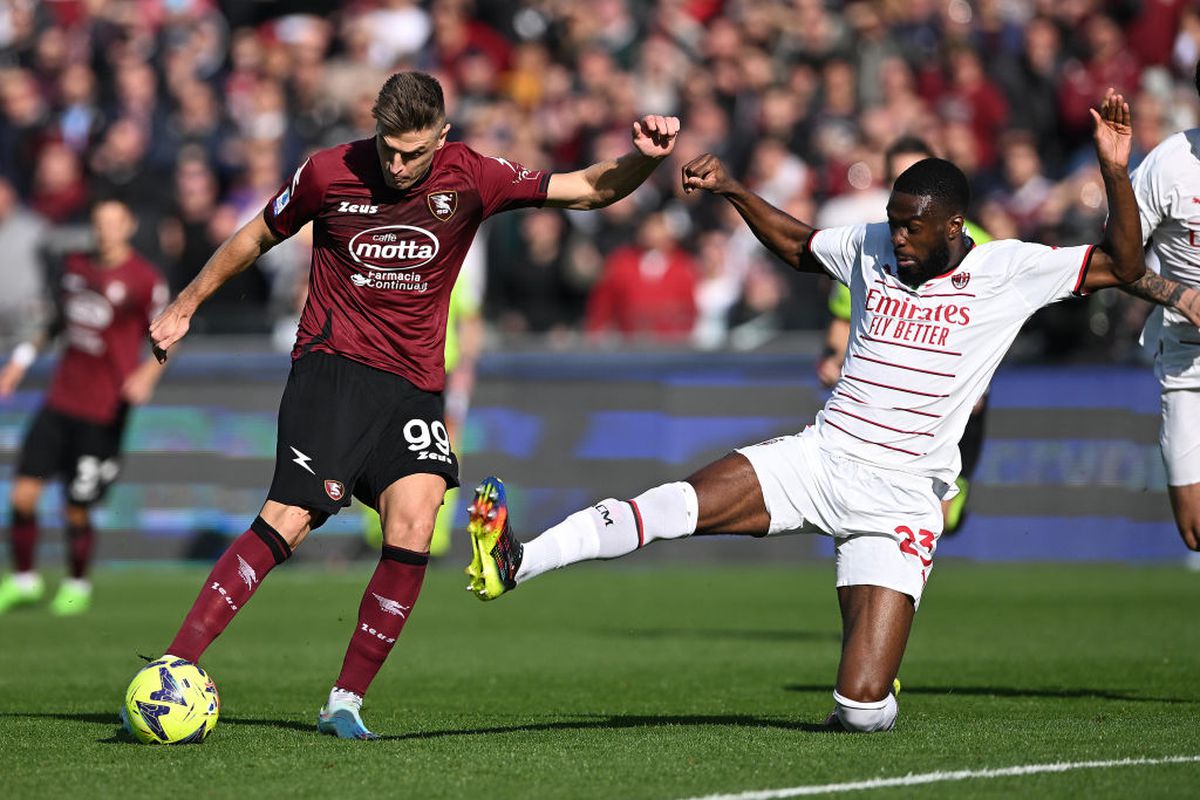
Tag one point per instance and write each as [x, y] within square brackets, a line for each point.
[232, 582]
[24, 534]
[81, 541]
[384, 609]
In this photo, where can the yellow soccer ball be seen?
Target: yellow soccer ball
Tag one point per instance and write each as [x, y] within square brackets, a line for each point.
[171, 701]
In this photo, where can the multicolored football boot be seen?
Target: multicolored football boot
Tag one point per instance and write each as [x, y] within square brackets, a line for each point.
[495, 552]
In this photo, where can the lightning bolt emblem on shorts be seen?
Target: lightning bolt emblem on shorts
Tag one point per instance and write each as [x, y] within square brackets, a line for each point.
[302, 460]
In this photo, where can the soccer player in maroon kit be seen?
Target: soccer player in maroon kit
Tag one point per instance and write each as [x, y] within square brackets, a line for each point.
[107, 301]
[362, 413]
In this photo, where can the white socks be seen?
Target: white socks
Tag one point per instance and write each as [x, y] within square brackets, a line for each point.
[866, 717]
[613, 528]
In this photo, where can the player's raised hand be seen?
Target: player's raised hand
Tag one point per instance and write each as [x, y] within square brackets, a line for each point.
[654, 136]
[708, 173]
[167, 329]
[10, 377]
[1114, 130]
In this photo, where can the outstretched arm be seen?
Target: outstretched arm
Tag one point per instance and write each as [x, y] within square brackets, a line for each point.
[607, 182]
[1169, 293]
[781, 233]
[1118, 260]
[235, 254]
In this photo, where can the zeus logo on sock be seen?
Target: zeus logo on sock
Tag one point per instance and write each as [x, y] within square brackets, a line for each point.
[604, 512]
[219, 589]
[383, 637]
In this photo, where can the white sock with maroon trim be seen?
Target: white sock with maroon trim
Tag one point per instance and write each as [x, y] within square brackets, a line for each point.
[612, 528]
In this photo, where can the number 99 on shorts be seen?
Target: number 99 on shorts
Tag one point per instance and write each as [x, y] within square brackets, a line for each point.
[429, 440]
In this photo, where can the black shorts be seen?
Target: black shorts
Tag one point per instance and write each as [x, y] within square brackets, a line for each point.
[87, 454]
[348, 429]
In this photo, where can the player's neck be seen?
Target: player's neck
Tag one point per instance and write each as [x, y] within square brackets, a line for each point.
[113, 257]
[958, 251]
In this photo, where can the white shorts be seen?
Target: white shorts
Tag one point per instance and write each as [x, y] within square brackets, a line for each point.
[885, 523]
[1180, 435]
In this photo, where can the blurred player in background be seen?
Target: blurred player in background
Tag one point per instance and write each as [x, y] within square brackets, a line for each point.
[1167, 185]
[105, 304]
[902, 154]
[362, 414]
[933, 316]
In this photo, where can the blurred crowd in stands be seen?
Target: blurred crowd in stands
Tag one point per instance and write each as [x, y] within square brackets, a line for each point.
[195, 111]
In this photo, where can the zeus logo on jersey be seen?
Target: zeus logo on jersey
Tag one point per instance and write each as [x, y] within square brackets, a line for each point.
[389, 248]
[346, 207]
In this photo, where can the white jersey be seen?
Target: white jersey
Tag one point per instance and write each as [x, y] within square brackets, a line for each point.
[1167, 187]
[919, 359]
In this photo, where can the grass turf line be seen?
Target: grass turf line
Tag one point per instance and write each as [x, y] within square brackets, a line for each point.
[612, 682]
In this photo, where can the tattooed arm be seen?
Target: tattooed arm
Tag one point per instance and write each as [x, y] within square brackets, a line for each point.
[1169, 293]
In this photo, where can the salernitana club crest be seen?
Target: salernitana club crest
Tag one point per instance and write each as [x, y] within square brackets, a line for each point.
[442, 204]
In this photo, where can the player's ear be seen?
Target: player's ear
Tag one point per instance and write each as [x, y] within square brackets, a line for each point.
[442, 135]
[954, 226]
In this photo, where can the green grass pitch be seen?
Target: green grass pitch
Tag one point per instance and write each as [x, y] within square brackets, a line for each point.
[613, 681]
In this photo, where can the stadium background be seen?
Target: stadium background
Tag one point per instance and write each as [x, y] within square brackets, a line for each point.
[195, 112]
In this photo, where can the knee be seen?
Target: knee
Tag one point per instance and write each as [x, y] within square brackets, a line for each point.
[864, 689]
[23, 498]
[857, 716]
[77, 516]
[410, 528]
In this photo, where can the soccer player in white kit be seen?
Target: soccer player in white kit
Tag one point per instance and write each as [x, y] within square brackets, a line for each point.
[1167, 187]
[933, 315]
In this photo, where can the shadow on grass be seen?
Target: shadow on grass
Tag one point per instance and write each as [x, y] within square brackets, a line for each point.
[622, 722]
[734, 634]
[593, 722]
[1006, 691]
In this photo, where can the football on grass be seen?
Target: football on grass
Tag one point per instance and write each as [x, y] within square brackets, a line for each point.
[171, 701]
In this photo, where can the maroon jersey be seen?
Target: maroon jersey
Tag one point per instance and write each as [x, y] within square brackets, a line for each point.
[384, 261]
[106, 312]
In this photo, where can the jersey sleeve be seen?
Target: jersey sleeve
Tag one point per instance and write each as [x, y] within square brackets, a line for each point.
[837, 249]
[1045, 275]
[505, 184]
[1147, 189]
[297, 202]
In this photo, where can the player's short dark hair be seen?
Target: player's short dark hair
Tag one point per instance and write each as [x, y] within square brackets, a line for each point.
[908, 144]
[409, 101]
[939, 179]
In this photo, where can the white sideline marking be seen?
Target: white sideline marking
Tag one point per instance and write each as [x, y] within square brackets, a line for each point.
[939, 777]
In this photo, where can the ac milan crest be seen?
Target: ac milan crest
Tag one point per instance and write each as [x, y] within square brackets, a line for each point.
[335, 489]
[442, 204]
[960, 279]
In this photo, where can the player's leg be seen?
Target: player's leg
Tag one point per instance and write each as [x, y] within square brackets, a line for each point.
[24, 586]
[405, 476]
[74, 594]
[407, 509]
[723, 497]
[1179, 440]
[876, 622]
[1185, 502]
[43, 455]
[268, 542]
[94, 453]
